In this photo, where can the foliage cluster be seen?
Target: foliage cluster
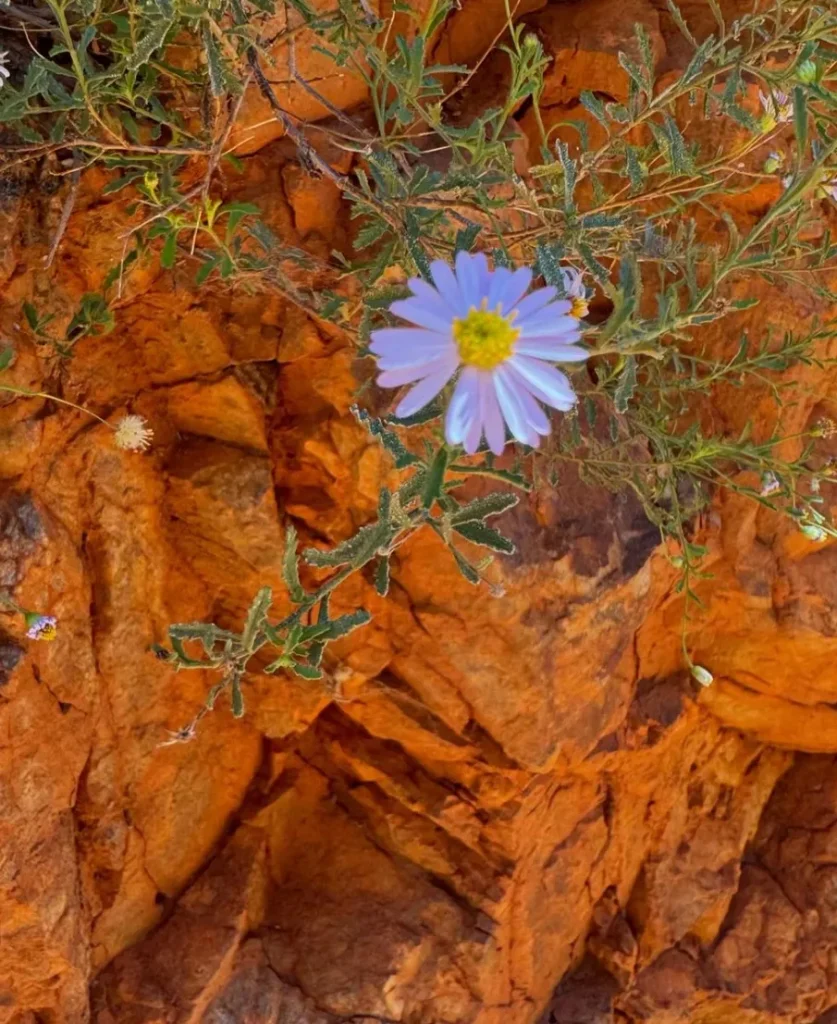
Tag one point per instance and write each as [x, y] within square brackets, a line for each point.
[150, 89]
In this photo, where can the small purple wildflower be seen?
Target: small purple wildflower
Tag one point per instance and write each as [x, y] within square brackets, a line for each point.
[575, 291]
[770, 484]
[40, 627]
[777, 106]
[477, 321]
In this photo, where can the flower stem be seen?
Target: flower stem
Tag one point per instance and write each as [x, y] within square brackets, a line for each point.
[26, 393]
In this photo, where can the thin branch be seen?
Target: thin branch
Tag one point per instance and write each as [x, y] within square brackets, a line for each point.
[310, 159]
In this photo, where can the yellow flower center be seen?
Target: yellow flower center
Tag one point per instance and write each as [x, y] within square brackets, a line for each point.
[48, 632]
[484, 339]
[579, 308]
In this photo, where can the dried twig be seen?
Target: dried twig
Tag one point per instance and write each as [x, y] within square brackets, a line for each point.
[9, 10]
[66, 212]
[335, 111]
[309, 158]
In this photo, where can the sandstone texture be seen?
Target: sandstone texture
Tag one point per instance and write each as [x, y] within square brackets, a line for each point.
[499, 810]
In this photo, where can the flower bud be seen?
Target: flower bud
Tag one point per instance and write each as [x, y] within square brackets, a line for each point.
[702, 675]
[807, 72]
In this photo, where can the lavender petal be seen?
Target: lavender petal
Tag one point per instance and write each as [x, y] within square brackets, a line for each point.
[392, 342]
[546, 383]
[426, 390]
[512, 409]
[464, 406]
[545, 325]
[415, 311]
[448, 287]
[534, 302]
[492, 419]
[555, 349]
[430, 298]
[407, 374]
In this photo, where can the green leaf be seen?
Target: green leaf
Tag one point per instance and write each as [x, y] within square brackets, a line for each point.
[31, 315]
[646, 52]
[466, 237]
[183, 659]
[388, 438]
[570, 169]
[214, 64]
[634, 170]
[119, 183]
[679, 20]
[590, 101]
[465, 567]
[432, 488]
[413, 233]
[236, 212]
[480, 508]
[634, 73]
[305, 671]
[28, 134]
[743, 117]
[370, 233]
[345, 624]
[358, 549]
[6, 356]
[479, 533]
[169, 253]
[256, 615]
[593, 265]
[382, 576]
[205, 269]
[699, 58]
[290, 567]
[548, 263]
[627, 385]
[681, 159]
[149, 43]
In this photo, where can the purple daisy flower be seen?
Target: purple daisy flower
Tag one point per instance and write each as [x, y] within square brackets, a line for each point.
[477, 320]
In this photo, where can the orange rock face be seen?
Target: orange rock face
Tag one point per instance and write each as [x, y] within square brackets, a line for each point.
[503, 810]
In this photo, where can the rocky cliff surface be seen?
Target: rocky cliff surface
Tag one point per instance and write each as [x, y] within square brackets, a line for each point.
[498, 809]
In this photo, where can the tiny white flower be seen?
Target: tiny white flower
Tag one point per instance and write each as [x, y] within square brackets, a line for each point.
[132, 434]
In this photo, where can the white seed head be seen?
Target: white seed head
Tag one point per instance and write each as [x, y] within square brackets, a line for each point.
[132, 434]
